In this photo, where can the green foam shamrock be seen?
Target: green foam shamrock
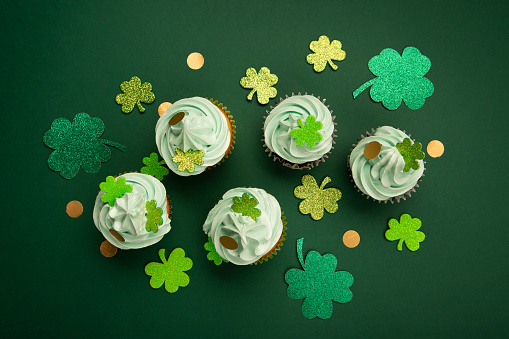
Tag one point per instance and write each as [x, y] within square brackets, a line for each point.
[170, 272]
[213, 255]
[188, 159]
[246, 206]
[154, 167]
[316, 199]
[153, 216]
[318, 283]
[406, 230]
[114, 189]
[78, 144]
[134, 94]
[411, 153]
[325, 52]
[399, 78]
[261, 83]
[308, 132]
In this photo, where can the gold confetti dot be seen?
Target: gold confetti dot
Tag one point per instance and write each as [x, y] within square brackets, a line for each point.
[176, 118]
[163, 108]
[117, 235]
[372, 150]
[74, 208]
[228, 242]
[435, 149]
[351, 239]
[195, 60]
[107, 249]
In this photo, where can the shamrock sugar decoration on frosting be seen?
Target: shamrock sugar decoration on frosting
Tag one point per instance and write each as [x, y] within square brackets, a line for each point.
[246, 206]
[134, 94]
[308, 132]
[213, 255]
[406, 230]
[411, 153]
[188, 159]
[153, 216]
[114, 189]
[325, 52]
[261, 83]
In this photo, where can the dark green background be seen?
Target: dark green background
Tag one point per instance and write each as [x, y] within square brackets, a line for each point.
[60, 58]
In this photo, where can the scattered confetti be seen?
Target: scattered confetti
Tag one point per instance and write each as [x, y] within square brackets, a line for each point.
[325, 52]
[308, 132]
[154, 167]
[213, 255]
[406, 231]
[261, 83]
[351, 239]
[153, 216]
[246, 206]
[114, 189]
[228, 242]
[107, 249]
[411, 153]
[188, 159]
[372, 150]
[435, 149]
[163, 108]
[171, 272]
[74, 209]
[177, 118]
[195, 60]
[316, 199]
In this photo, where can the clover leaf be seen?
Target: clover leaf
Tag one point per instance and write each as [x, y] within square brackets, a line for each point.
[171, 271]
[261, 83]
[213, 255]
[316, 199]
[406, 231]
[246, 206]
[188, 159]
[318, 283]
[114, 189]
[399, 78]
[134, 94]
[154, 167]
[411, 153]
[325, 52]
[307, 133]
[153, 216]
[78, 144]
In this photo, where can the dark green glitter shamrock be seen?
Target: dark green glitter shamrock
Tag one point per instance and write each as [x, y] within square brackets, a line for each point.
[246, 206]
[154, 167]
[261, 83]
[78, 144]
[134, 94]
[411, 153]
[308, 132]
[213, 255]
[171, 271]
[114, 189]
[153, 216]
[406, 230]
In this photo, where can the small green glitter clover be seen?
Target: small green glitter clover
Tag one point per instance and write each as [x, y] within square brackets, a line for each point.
[171, 271]
[213, 255]
[308, 132]
[188, 159]
[406, 231]
[411, 153]
[154, 167]
[153, 216]
[246, 206]
[316, 199]
[399, 78]
[325, 52]
[261, 83]
[114, 189]
[134, 94]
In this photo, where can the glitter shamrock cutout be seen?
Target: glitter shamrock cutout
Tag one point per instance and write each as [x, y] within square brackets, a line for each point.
[153, 216]
[399, 78]
[316, 199]
[261, 83]
[171, 271]
[246, 206]
[411, 153]
[406, 230]
[188, 159]
[154, 167]
[308, 132]
[318, 283]
[213, 255]
[78, 144]
[114, 189]
[134, 94]
[325, 52]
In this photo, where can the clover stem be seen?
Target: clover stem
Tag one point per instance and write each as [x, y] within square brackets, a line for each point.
[334, 66]
[140, 107]
[400, 245]
[299, 251]
[363, 87]
[325, 182]
[162, 256]
[250, 95]
[113, 144]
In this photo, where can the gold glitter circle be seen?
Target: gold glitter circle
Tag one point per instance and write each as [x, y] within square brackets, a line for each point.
[107, 249]
[163, 108]
[177, 118]
[117, 235]
[435, 149]
[195, 60]
[74, 208]
[372, 150]
[351, 239]
[228, 242]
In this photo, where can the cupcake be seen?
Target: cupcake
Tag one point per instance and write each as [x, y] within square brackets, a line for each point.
[299, 131]
[132, 211]
[194, 134]
[386, 164]
[246, 226]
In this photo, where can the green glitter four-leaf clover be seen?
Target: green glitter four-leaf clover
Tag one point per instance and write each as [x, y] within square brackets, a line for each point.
[134, 94]
[411, 153]
[406, 231]
[170, 272]
[246, 206]
[213, 255]
[308, 132]
[154, 167]
[318, 283]
[325, 52]
[316, 199]
[78, 144]
[188, 159]
[261, 83]
[399, 78]
[153, 216]
[114, 189]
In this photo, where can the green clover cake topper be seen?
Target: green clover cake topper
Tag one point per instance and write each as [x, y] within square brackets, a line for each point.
[316, 199]
[325, 52]
[171, 271]
[213, 255]
[246, 206]
[114, 189]
[318, 283]
[134, 94]
[406, 230]
[188, 159]
[153, 216]
[399, 78]
[411, 153]
[78, 144]
[154, 167]
[308, 132]
[261, 83]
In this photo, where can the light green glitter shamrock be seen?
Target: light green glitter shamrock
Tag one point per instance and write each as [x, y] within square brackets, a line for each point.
[114, 189]
[246, 206]
[170, 272]
[188, 159]
[411, 153]
[153, 216]
[134, 94]
[260, 83]
[318, 283]
[154, 167]
[399, 78]
[406, 231]
[308, 132]
[213, 255]
[325, 52]
[316, 199]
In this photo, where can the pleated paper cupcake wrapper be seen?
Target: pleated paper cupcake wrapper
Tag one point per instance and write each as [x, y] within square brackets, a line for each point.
[277, 247]
[286, 163]
[233, 131]
[398, 198]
